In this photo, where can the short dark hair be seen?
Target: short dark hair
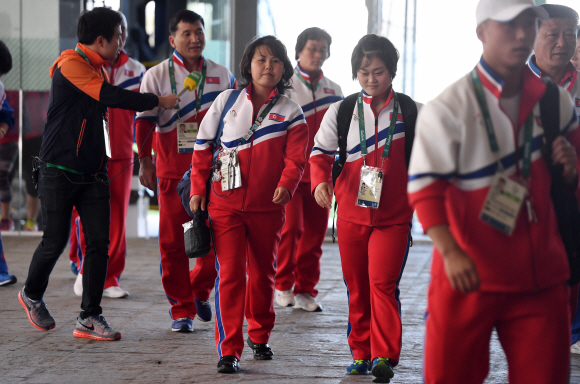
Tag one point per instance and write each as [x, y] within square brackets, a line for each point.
[5, 59]
[313, 33]
[186, 16]
[277, 49]
[371, 46]
[100, 21]
[557, 11]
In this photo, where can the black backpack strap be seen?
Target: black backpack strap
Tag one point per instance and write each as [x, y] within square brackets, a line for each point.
[550, 116]
[409, 112]
[344, 118]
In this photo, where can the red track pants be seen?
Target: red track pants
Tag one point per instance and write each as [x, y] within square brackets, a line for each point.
[245, 245]
[180, 284]
[298, 260]
[373, 259]
[120, 188]
[533, 328]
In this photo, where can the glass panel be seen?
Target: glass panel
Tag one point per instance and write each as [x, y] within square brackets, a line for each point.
[216, 15]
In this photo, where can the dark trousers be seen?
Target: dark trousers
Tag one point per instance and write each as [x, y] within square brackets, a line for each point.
[59, 191]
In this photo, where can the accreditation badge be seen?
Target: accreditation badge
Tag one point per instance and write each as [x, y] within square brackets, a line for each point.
[107, 140]
[369, 187]
[231, 176]
[186, 136]
[503, 203]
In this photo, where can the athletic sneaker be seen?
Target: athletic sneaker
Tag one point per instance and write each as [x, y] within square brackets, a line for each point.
[285, 298]
[261, 351]
[307, 302]
[37, 312]
[184, 324]
[203, 310]
[382, 370]
[74, 267]
[115, 292]
[96, 328]
[6, 279]
[78, 286]
[358, 367]
[228, 364]
[6, 224]
[575, 348]
[30, 225]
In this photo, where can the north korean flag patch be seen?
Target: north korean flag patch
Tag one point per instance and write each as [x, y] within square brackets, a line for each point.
[330, 91]
[129, 73]
[212, 80]
[276, 117]
[578, 103]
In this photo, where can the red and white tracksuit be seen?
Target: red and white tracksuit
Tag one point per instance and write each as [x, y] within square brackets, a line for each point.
[571, 84]
[523, 292]
[373, 243]
[298, 259]
[127, 74]
[180, 284]
[246, 224]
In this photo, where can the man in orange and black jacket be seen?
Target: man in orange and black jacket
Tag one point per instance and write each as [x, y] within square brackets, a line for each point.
[73, 168]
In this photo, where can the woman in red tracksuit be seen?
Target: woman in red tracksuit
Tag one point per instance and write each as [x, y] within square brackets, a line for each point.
[373, 240]
[261, 160]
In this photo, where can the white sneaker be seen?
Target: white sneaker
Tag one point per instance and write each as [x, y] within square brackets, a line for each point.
[78, 287]
[306, 302]
[285, 298]
[115, 292]
[575, 348]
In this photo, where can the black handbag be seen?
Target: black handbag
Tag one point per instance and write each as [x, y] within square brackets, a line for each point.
[197, 236]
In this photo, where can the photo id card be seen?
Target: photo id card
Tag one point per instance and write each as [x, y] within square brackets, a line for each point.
[503, 203]
[230, 171]
[186, 136]
[370, 186]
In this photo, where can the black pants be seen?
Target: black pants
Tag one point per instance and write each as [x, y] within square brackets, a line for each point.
[59, 191]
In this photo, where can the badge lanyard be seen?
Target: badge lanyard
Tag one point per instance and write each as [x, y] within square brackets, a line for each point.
[199, 96]
[307, 83]
[244, 139]
[528, 129]
[361, 127]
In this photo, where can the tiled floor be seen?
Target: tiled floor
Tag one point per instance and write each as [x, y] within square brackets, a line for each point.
[308, 347]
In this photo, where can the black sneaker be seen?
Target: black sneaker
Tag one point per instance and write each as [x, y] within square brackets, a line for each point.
[228, 364]
[96, 328]
[37, 312]
[261, 351]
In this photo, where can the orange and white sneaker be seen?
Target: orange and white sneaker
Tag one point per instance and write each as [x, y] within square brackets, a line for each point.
[96, 328]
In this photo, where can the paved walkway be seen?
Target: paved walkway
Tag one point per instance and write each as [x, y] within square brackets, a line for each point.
[308, 347]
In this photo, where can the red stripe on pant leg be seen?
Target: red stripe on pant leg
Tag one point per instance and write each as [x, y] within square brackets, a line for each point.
[264, 232]
[120, 188]
[74, 242]
[353, 245]
[307, 272]
[387, 255]
[174, 261]
[229, 234]
[292, 232]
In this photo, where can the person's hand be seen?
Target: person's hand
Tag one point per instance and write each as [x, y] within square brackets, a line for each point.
[196, 202]
[564, 153]
[3, 129]
[168, 101]
[147, 174]
[461, 271]
[323, 195]
[281, 196]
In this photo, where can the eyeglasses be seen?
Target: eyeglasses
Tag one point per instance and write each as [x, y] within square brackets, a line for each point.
[323, 51]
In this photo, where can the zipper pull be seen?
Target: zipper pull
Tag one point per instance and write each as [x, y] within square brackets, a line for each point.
[532, 218]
